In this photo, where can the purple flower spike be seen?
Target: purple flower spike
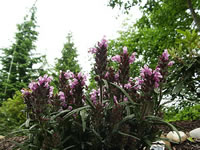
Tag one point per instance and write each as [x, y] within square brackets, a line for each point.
[125, 50]
[132, 58]
[165, 55]
[116, 58]
[103, 43]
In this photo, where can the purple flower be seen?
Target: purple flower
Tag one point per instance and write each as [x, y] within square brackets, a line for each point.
[61, 95]
[93, 96]
[70, 108]
[157, 75]
[125, 50]
[117, 76]
[138, 83]
[51, 91]
[25, 92]
[46, 85]
[107, 74]
[116, 58]
[170, 63]
[92, 50]
[127, 86]
[74, 83]
[146, 71]
[156, 84]
[132, 58]
[68, 74]
[33, 86]
[125, 99]
[103, 43]
[165, 55]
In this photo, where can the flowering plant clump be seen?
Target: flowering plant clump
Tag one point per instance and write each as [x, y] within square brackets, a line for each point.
[121, 113]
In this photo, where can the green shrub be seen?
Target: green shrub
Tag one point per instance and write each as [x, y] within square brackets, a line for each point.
[12, 113]
[187, 113]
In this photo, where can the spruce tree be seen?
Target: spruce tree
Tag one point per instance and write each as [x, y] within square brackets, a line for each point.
[68, 60]
[18, 62]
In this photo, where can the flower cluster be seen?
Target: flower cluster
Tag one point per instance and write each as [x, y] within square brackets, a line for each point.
[118, 107]
[124, 61]
[38, 97]
[164, 63]
[100, 58]
[71, 89]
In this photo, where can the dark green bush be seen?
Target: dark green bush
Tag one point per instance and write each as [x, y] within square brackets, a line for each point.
[12, 113]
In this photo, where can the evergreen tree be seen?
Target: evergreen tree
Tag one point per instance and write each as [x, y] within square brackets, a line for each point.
[18, 62]
[68, 60]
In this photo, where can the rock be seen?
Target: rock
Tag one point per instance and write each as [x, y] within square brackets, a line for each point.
[2, 137]
[158, 145]
[195, 133]
[167, 143]
[173, 136]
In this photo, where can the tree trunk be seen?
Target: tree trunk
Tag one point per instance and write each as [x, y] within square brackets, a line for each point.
[195, 16]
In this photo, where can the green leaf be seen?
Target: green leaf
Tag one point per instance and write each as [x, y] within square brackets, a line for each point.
[19, 145]
[158, 120]
[177, 88]
[84, 115]
[116, 126]
[27, 122]
[190, 139]
[75, 111]
[125, 93]
[60, 113]
[69, 147]
[90, 103]
[106, 83]
[125, 134]
[97, 135]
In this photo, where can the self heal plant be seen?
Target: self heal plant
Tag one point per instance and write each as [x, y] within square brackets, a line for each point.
[100, 66]
[119, 113]
[139, 97]
[38, 99]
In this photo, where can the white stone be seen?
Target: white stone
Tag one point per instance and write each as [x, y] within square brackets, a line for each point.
[2, 137]
[173, 136]
[195, 133]
[158, 145]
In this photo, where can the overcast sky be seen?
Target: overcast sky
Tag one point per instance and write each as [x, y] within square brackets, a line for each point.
[88, 20]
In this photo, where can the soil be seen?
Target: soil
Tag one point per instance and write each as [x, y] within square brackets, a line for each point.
[185, 126]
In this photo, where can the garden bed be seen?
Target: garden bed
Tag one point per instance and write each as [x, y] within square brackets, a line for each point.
[185, 126]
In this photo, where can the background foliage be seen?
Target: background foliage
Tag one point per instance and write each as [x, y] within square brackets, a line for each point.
[12, 113]
[19, 62]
